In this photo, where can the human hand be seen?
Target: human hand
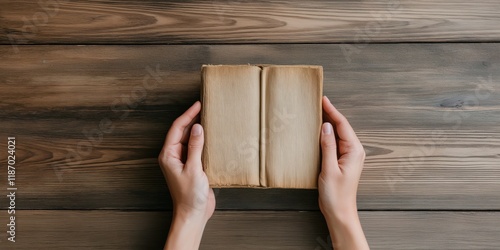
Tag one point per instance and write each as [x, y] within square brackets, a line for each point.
[193, 199]
[342, 163]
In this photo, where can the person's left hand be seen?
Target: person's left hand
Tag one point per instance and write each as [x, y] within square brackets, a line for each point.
[180, 161]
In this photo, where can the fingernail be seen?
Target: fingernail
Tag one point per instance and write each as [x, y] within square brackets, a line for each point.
[327, 128]
[196, 130]
[328, 99]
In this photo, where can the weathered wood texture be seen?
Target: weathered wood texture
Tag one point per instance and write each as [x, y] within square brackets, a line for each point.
[427, 115]
[254, 230]
[222, 21]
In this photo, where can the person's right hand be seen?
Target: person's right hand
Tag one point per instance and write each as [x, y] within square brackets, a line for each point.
[194, 200]
[343, 157]
[342, 163]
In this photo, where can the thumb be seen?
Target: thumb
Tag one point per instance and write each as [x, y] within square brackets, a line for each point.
[195, 145]
[328, 148]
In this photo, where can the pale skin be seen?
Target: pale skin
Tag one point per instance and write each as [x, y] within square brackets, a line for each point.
[194, 201]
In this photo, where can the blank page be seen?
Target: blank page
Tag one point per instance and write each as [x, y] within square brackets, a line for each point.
[291, 118]
[230, 116]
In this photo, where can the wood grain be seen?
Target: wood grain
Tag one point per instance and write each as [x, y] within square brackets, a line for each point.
[451, 85]
[427, 119]
[222, 21]
[90, 120]
[253, 230]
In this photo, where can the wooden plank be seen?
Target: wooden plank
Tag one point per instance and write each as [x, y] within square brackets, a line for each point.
[221, 21]
[426, 116]
[253, 230]
[405, 81]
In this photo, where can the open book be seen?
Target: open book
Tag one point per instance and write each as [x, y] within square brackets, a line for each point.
[262, 125]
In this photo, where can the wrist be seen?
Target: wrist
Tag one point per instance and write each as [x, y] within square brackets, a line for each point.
[343, 220]
[190, 220]
[346, 212]
[342, 217]
[189, 215]
[186, 230]
[345, 229]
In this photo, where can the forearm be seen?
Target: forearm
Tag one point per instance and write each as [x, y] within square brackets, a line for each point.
[346, 232]
[185, 232]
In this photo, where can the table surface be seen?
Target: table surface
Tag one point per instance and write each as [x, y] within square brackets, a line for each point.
[418, 80]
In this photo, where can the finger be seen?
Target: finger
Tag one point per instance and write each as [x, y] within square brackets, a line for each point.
[174, 136]
[187, 130]
[349, 145]
[328, 149]
[185, 137]
[179, 126]
[195, 147]
[342, 126]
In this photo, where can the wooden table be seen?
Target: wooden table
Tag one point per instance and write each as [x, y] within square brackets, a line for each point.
[90, 88]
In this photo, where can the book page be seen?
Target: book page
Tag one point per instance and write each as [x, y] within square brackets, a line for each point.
[291, 118]
[230, 117]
